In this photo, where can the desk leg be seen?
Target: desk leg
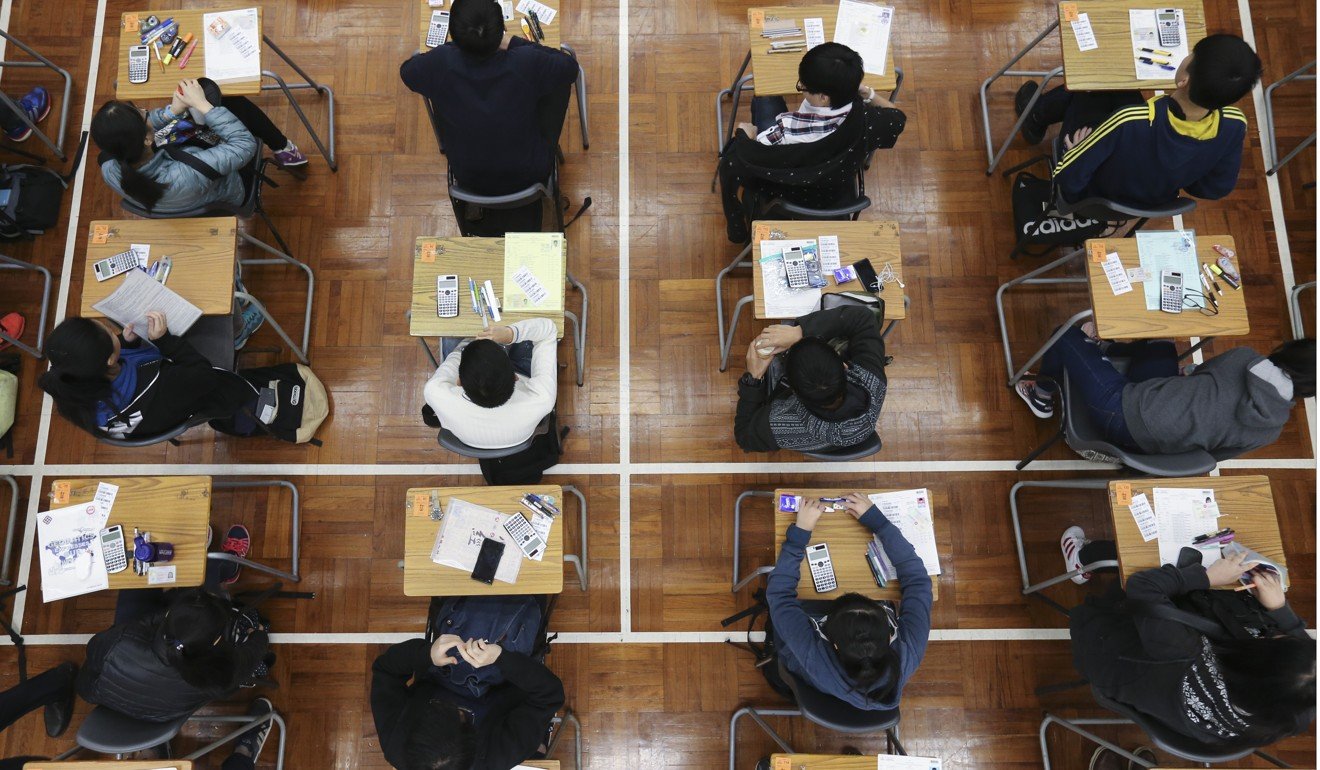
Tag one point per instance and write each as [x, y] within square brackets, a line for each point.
[1295, 305]
[580, 87]
[727, 343]
[1033, 278]
[9, 263]
[756, 715]
[739, 582]
[739, 261]
[579, 329]
[56, 146]
[579, 560]
[295, 524]
[1028, 589]
[282, 258]
[740, 82]
[889, 327]
[9, 529]
[1200, 343]
[561, 723]
[1007, 70]
[898, 83]
[308, 83]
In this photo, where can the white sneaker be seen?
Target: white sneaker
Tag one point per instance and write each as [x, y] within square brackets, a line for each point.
[1071, 543]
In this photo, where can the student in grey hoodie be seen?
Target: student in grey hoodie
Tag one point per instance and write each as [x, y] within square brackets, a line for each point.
[1231, 404]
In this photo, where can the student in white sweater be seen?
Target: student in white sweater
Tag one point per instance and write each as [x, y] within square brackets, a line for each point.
[481, 399]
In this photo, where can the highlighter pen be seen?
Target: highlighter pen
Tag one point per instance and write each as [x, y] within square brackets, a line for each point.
[527, 31]
[1152, 62]
[1159, 51]
[535, 21]
[1219, 273]
[188, 51]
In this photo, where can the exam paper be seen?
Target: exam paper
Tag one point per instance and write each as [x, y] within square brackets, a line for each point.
[1145, 34]
[139, 294]
[1084, 34]
[232, 45]
[1168, 250]
[461, 532]
[544, 13]
[534, 272]
[909, 510]
[70, 543]
[1183, 515]
[781, 301]
[864, 28]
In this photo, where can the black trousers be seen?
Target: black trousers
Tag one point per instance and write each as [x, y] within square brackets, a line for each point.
[256, 121]
[1080, 109]
[45, 688]
[1099, 550]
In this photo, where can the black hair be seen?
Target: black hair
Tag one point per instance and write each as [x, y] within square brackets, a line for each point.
[1297, 360]
[119, 130]
[441, 740]
[79, 351]
[1273, 681]
[832, 69]
[1223, 70]
[486, 373]
[193, 639]
[860, 628]
[815, 371]
[477, 26]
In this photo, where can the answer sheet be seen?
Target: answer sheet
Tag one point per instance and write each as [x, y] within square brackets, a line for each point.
[534, 272]
[864, 27]
[909, 510]
[1168, 250]
[781, 301]
[140, 294]
[1184, 515]
[1145, 34]
[461, 532]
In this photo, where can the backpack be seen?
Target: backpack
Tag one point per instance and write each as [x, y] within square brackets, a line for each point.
[291, 404]
[1037, 222]
[527, 466]
[767, 653]
[30, 197]
[9, 366]
[512, 622]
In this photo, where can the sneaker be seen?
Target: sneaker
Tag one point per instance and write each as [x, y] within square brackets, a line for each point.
[1090, 330]
[290, 156]
[36, 104]
[238, 541]
[1072, 541]
[1031, 133]
[250, 743]
[1041, 404]
[252, 320]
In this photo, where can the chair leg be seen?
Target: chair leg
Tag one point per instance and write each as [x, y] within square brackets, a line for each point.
[727, 343]
[568, 719]
[245, 723]
[756, 715]
[9, 529]
[295, 526]
[892, 742]
[580, 330]
[17, 264]
[1040, 450]
[1273, 760]
[1086, 734]
[739, 261]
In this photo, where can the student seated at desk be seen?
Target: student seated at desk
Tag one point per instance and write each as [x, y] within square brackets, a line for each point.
[859, 650]
[493, 398]
[52, 690]
[204, 169]
[120, 385]
[1231, 404]
[472, 700]
[500, 99]
[809, 156]
[1231, 693]
[1129, 150]
[829, 401]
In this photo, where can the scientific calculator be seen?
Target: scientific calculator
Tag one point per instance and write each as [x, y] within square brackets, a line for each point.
[110, 267]
[795, 269]
[1166, 21]
[139, 64]
[112, 549]
[523, 534]
[438, 30]
[446, 296]
[822, 569]
[1171, 291]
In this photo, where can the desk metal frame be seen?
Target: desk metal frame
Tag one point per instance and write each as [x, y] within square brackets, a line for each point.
[1295, 301]
[10, 263]
[307, 83]
[56, 146]
[1033, 589]
[892, 743]
[1073, 725]
[559, 724]
[280, 258]
[243, 721]
[1275, 163]
[9, 529]
[993, 155]
[739, 582]
[295, 527]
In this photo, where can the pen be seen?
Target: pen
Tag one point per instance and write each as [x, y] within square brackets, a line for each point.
[187, 52]
[472, 289]
[1148, 60]
[787, 50]
[536, 26]
[151, 34]
[1206, 270]
[1159, 51]
[156, 47]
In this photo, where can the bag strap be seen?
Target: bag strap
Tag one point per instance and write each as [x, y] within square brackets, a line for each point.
[1167, 612]
[193, 162]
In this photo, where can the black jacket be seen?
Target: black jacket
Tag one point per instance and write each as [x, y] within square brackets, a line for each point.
[819, 174]
[866, 349]
[515, 720]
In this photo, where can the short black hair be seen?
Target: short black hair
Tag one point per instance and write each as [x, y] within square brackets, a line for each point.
[440, 740]
[832, 69]
[1223, 70]
[477, 26]
[815, 372]
[1297, 360]
[486, 373]
[860, 628]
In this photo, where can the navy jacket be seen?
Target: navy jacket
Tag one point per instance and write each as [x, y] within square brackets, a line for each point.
[1146, 155]
[807, 653]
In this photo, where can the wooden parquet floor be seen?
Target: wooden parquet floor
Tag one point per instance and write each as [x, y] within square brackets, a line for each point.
[642, 656]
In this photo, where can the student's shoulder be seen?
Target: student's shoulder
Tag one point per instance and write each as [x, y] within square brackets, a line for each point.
[1234, 119]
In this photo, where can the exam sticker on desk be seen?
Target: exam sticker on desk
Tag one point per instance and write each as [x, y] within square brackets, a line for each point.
[420, 503]
[1097, 249]
[1123, 493]
[100, 233]
[782, 763]
[756, 19]
[1068, 11]
[1145, 517]
[428, 252]
[59, 492]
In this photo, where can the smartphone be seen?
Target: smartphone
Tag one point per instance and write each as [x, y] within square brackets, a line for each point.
[866, 274]
[488, 561]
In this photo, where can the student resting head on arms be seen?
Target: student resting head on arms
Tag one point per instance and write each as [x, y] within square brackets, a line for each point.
[857, 649]
[1233, 403]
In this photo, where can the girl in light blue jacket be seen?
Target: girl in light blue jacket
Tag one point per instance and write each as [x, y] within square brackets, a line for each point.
[133, 167]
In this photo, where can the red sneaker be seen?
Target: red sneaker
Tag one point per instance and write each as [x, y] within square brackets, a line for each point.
[238, 541]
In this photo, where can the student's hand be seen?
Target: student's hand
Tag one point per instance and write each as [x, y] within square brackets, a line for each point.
[177, 105]
[1269, 589]
[504, 43]
[857, 504]
[1226, 571]
[193, 96]
[156, 326]
[810, 512]
[749, 129]
[441, 648]
[479, 652]
[128, 334]
[501, 334]
[781, 337]
[757, 364]
[1076, 138]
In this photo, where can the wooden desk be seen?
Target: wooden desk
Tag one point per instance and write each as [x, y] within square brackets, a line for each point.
[203, 249]
[777, 74]
[1124, 316]
[551, 30]
[481, 259]
[1246, 503]
[174, 509]
[1111, 67]
[544, 764]
[423, 577]
[822, 762]
[161, 85]
[847, 539]
[876, 241]
[110, 764]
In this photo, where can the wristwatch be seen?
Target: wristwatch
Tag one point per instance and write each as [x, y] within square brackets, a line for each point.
[870, 94]
[750, 381]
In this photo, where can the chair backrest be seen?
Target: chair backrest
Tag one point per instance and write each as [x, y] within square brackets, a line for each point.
[169, 435]
[109, 732]
[782, 209]
[832, 713]
[864, 449]
[1113, 211]
[252, 177]
[1168, 740]
[451, 442]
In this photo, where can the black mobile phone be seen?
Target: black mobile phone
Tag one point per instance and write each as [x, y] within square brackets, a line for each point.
[866, 274]
[488, 561]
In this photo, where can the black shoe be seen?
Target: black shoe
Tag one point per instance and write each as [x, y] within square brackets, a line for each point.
[1031, 132]
[429, 417]
[58, 715]
[252, 741]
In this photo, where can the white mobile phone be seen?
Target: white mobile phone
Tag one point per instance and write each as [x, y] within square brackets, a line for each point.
[446, 296]
[139, 64]
[1171, 291]
[1166, 21]
[822, 569]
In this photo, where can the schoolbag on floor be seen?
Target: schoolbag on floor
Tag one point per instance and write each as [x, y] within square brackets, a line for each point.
[527, 466]
[30, 197]
[8, 401]
[1038, 223]
[291, 404]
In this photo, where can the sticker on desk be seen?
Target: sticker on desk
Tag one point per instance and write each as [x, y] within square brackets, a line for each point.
[828, 246]
[100, 233]
[530, 285]
[1145, 517]
[544, 13]
[1098, 251]
[131, 21]
[1122, 493]
[1138, 274]
[782, 763]
[760, 232]
[1068, 11]
[161, 575]
[142, 251]
[756, 18]
[1118, 280]
[815, 29]
[1081, 28]
[421, 504]
[428, 251]
[105, 496]
[59, 492]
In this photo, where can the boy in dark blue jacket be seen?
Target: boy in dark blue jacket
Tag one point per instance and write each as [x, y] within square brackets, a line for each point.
[861, 651]
[1137, 152]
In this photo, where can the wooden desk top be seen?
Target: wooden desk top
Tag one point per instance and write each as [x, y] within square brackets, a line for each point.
[821, 762]
[777, 74]
[876, 241]
[423, 577]
[174, 509]
[161, 85]
[847, 540]
[481, 259]
[551, 30]
[110, 764]
[203, 250]
[1111, 67]
[1124, 316]
[1246, 503]
[544, 764]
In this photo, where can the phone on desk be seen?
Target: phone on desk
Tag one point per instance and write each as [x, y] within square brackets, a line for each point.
[867, 275]
[488, 561]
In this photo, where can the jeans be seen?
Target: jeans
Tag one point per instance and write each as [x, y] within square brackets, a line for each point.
[1099, 550]
[1097, 381]
[47, 687]
[765, 109]
[256, 121]
[519, 352]
[1081, 109]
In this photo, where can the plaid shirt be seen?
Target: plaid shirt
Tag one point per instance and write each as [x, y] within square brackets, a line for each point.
[808, 124]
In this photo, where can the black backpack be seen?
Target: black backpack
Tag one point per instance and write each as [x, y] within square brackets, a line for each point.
[1038, 223]
[291, 404]
[34, 194]
[527, 466]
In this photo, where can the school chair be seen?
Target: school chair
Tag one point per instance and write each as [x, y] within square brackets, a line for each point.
[1035, 589]
[254, 178]
[1295, 301]
[1275, 163]
[9, 529]
[106, 731]
[171, 435]
[57, 144]
[451, 442]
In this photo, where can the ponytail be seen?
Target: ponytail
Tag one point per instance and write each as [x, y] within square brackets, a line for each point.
[118, 129]
[862, 630]
[78, 350]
